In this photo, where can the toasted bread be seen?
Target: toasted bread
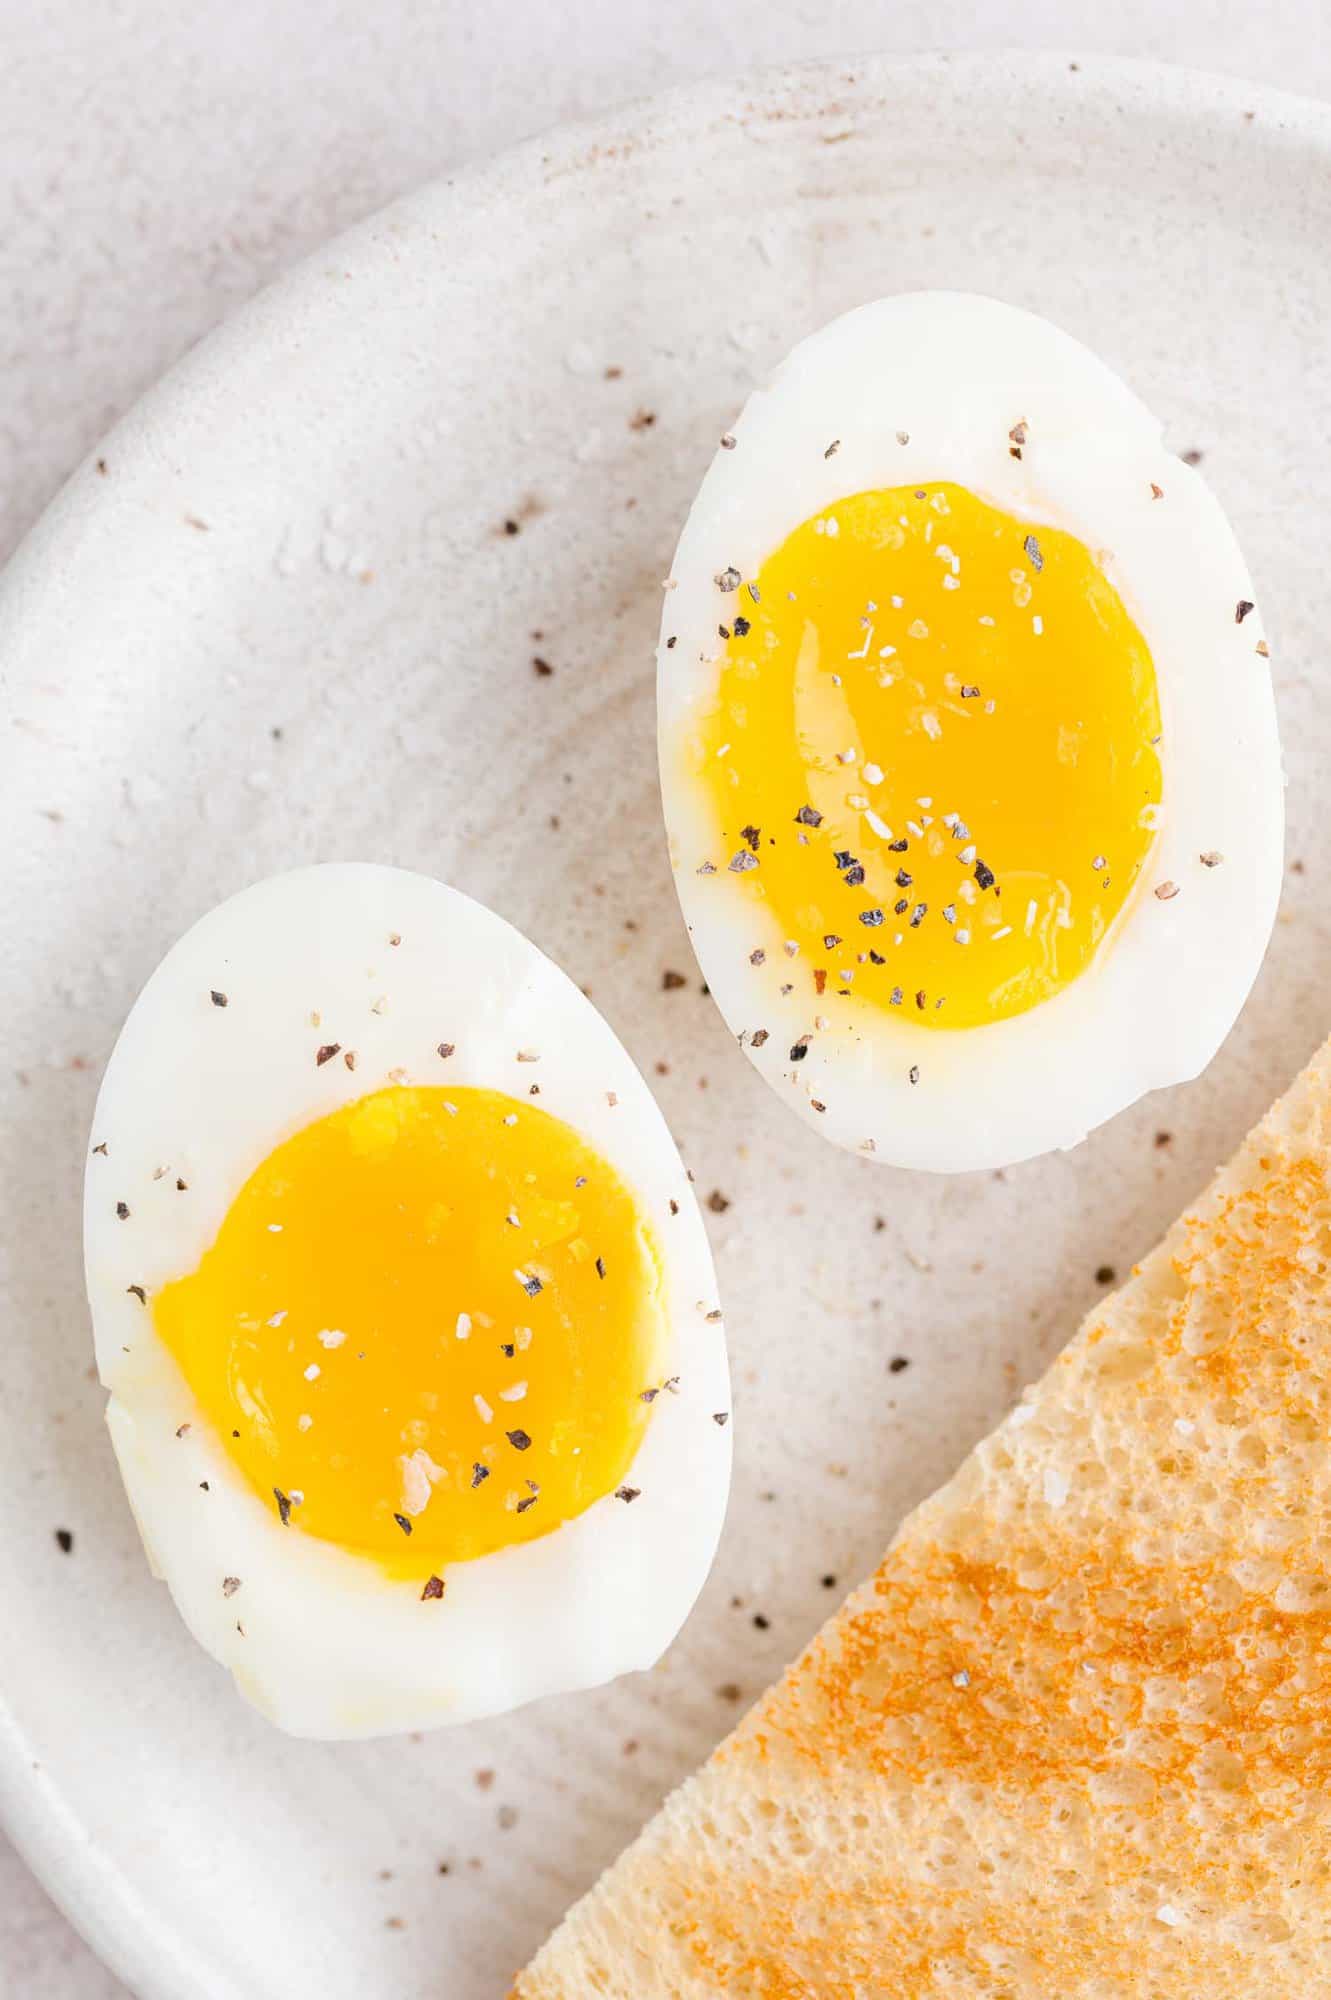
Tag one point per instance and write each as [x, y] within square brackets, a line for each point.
[1073, 1739]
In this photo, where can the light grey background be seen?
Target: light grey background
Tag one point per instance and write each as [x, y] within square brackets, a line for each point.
[159, 163]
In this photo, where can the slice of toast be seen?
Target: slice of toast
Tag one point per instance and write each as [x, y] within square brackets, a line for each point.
[1073, 1739]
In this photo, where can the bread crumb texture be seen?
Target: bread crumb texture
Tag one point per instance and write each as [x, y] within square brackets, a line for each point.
[1073, 1739]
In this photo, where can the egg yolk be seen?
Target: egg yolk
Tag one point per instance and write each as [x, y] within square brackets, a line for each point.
[430, 1325]
[933, 756]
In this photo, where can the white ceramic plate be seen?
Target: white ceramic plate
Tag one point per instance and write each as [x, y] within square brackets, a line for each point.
[279, 618]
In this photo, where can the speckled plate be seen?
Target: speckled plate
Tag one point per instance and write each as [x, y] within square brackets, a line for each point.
[292, 610]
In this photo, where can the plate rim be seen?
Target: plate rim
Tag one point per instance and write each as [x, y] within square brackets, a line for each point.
[130, 1937]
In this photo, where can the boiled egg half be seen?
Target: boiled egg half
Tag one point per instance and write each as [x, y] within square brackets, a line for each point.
[405, 1309]
[967, 739]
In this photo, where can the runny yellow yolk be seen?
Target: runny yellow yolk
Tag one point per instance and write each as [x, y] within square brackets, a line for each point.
[933, 757]
[429, 1326]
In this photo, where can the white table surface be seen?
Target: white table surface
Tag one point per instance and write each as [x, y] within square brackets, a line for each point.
[159, 163]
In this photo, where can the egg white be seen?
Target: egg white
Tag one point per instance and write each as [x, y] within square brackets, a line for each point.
[319, 1639]
[926, 387]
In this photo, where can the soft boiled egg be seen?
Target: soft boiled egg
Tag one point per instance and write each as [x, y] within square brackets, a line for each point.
[416, 1369]
[967, 739]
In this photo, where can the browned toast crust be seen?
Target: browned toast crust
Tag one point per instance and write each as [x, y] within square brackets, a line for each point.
[1073, 1740]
